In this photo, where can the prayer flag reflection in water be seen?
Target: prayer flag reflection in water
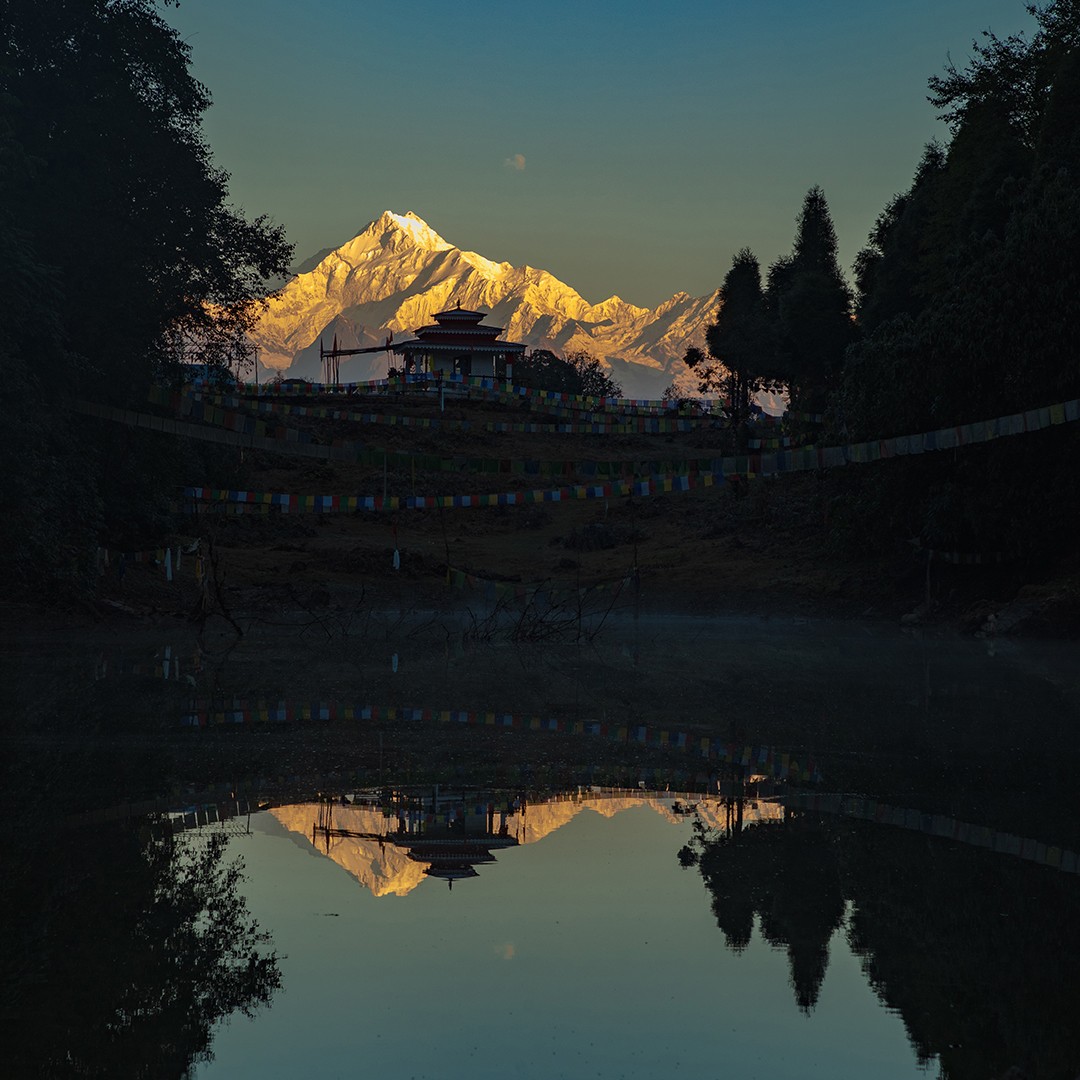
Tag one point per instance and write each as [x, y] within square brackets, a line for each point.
[701, 847]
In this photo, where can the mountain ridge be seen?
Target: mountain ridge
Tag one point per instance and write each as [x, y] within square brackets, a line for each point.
[397, 272]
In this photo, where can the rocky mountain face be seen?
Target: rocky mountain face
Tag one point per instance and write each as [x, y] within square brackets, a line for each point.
[395, 274]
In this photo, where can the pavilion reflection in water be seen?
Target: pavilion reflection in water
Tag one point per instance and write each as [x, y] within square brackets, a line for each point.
[394, 840]
[447, 836]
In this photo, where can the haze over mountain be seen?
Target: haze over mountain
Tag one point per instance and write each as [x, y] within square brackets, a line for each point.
[397, 272]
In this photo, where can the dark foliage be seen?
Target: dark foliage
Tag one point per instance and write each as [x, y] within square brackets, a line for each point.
[119, 254]
[951, 967]
[126, 945]
[577, 373]
[129, 956]
[741, 342]
[811, 305]
[787, 878]
[967, 301]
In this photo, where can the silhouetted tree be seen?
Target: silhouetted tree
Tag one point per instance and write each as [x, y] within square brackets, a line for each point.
[578, 373]
[946, 934]
[740, 341]
[965, 293]
[811, 304]
[787, 876]
[126, 199]
[128, 959]
[596, 380]
[890, 272]
[45, 461]
[117, 235]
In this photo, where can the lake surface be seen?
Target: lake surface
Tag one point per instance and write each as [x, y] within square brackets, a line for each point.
[706, 847]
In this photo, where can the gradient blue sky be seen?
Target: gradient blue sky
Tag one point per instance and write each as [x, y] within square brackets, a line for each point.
[656, 139]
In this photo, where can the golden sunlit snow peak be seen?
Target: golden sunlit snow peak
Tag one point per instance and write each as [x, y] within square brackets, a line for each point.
[397, 272]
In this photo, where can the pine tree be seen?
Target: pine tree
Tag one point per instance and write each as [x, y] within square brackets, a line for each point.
[968, 290]
[740, 341]
[811, 304]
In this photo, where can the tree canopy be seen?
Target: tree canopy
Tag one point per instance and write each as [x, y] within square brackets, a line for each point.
[124, 201]
[118, 249]
[811, 304]
[967, 298]
[792, 334]
[577, 373]
[740, 342]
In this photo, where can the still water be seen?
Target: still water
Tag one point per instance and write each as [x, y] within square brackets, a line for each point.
[711, 848]
[588, 952]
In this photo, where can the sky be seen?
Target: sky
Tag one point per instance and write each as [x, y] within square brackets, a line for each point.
[628, 148]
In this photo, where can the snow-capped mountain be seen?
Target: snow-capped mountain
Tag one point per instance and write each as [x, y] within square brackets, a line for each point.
[395, 274]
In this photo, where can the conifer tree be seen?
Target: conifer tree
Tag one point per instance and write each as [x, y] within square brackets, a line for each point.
[811, 304]
[739, 342]
[968, 291]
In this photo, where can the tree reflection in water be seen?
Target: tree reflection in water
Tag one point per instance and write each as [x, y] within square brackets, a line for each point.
[787, 877]
[133, 945]
[976, 951]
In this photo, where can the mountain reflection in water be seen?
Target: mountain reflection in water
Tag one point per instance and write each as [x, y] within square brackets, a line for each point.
[393, 846]
[775, 955]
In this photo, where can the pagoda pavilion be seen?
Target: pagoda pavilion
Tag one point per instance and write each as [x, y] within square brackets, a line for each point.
[459, 343]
